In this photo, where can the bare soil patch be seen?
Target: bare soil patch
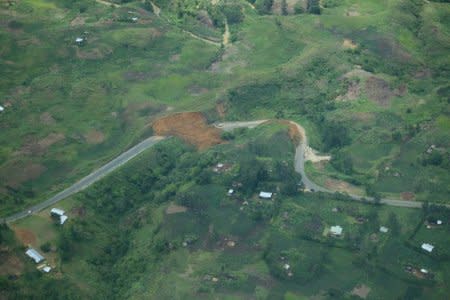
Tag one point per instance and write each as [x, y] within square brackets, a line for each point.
[361, 291]
[348, 44]
[94, 137]
[378, 90]
[191, 127]
[78, 211]
[175, 209]
[25, 236]
[95, 53]
[49, 140]
[353, 92]
[78, 21]
[221, 110]
[340, 186]
[10, 265]
[47, 118]
[407, 196]
[20, 172]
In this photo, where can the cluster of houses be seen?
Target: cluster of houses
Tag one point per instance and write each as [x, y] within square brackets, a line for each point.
[38, 258]
[34, 254]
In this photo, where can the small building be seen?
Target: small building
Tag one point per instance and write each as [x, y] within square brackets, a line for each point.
[438, 222]
[134, 19]
[63, 219]
[265, 195]
[384, 229]
[336, 230]
[1, 108]
[57, 212]
[46, 269]
[286, 266]
[79, 40]
[34, 255]
[230, 192]
[424, 271]
[427, 247]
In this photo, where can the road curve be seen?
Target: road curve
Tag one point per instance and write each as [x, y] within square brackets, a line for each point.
[299, 165]
[89, 179]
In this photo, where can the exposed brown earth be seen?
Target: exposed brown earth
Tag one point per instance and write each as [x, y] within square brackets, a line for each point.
[10, 265]
[175, 209]
[94, 137]
[25, 236]
[378, 90]
[35, 147]
[20, 172]
[192, 127]
[408, 196]
[47, 118]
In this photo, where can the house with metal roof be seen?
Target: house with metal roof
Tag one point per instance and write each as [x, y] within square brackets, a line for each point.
[265, 195]
[34, 255]
[336, 230]
[427, 247]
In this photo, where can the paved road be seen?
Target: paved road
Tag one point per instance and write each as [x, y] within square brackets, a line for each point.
[89, 179]
[299, 165]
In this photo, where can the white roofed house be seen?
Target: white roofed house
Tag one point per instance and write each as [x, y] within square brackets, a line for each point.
[336, 230]
[1, 108]
[427, 247]
[59, 213]
[36, 256]
[265, 195]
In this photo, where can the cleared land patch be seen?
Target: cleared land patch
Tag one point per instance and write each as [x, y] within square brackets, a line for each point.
[191, 127]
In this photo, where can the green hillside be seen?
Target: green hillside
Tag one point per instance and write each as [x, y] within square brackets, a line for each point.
[83, 81]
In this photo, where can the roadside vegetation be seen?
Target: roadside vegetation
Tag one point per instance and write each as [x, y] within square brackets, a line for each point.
[167, 220]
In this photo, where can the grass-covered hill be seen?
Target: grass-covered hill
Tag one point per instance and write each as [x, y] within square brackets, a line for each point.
[368, 79]
[164, 227]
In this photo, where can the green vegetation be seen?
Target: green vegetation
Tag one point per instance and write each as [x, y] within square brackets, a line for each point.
[128, 238]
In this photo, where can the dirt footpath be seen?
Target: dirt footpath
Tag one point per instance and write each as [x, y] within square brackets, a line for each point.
[192, 127]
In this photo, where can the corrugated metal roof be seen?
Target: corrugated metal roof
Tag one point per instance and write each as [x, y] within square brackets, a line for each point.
[57, 211]
[265, 195]
[34, 255]
[63, 219]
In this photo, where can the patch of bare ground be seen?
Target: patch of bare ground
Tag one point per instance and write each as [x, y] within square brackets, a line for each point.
[18, 172]
[94, 137]
[341, 186]
[10, 264]
[78, 21]
[175, 209]
[358, 72]
[35, 147]
[192, 127]
[47, 118]
[378, 90]
[221, 110]
[204, 18]
[349, 44]
[407, 196]
[361, 291]
[25, 236]
[78, 211]
[95, 53]
[175, 57]
[353, 92]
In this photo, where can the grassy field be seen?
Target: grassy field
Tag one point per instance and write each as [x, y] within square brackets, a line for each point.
[128, 239]
[376, 68]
